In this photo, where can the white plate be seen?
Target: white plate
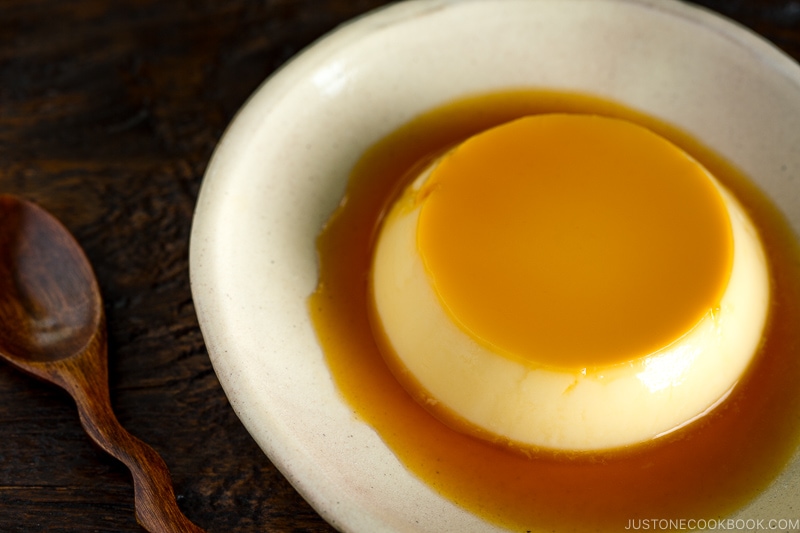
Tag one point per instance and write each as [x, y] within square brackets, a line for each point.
[281, 169]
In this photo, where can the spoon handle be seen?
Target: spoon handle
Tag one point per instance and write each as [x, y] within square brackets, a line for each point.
[156, 507]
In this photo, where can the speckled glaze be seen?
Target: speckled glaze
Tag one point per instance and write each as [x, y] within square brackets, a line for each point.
[281, 169]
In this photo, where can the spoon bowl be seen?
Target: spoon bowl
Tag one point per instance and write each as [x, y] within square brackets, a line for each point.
[51, 305]
[52, 325]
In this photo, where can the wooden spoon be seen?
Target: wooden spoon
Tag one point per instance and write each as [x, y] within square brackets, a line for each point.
[52, 325]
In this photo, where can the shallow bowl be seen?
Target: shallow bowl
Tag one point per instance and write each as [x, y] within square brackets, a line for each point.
[282, 167]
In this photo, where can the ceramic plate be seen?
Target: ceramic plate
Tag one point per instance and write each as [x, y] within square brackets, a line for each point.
[281, 169]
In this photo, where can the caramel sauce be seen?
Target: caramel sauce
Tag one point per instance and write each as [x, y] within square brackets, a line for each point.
[706, 470]
[552, 221]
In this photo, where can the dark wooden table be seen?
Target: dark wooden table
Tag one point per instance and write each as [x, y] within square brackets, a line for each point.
[109, 111]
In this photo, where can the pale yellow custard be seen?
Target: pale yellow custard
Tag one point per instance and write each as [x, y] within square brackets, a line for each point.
[570, 282]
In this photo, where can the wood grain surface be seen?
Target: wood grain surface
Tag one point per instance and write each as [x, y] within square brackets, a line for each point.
[109, 111]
